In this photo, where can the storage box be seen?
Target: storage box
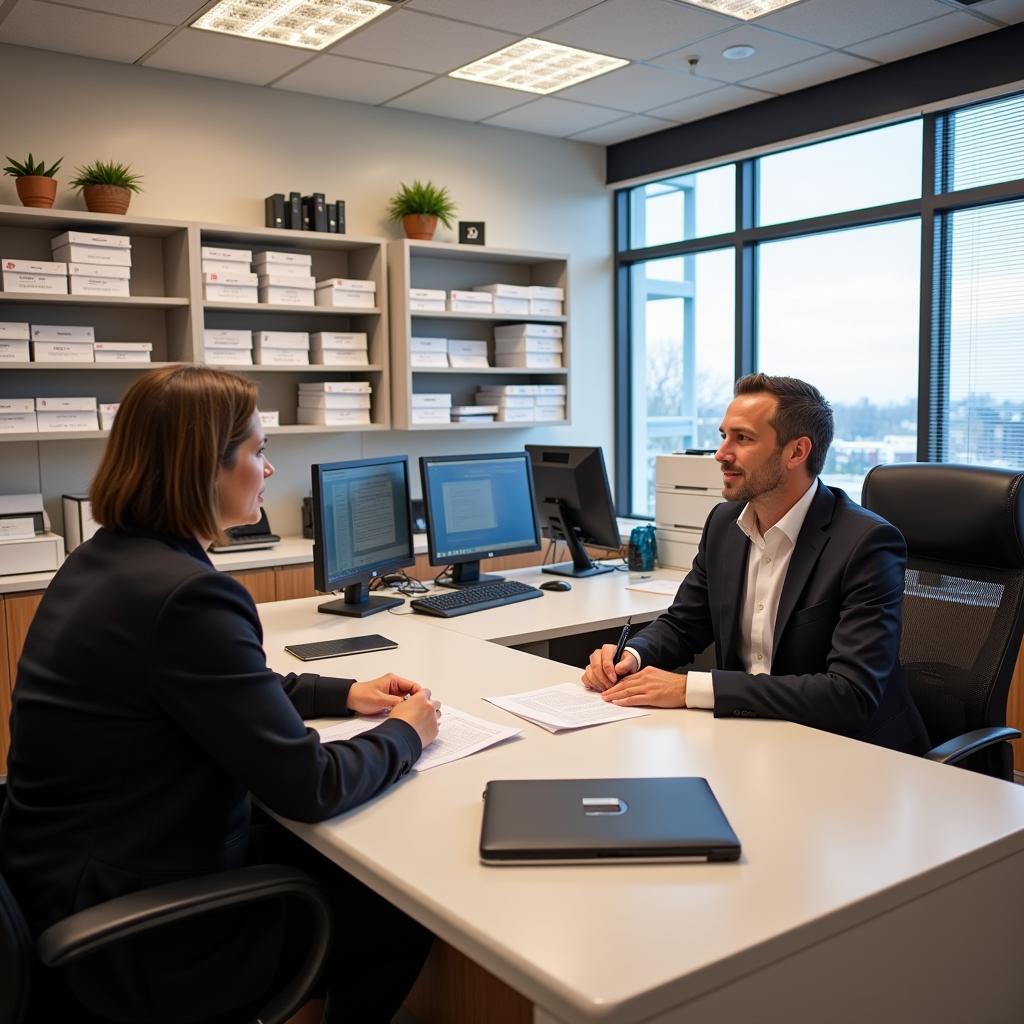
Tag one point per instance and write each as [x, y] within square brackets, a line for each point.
[335, 387]
[14, 332]
[14, 351]
[223, 338]
[111, 286]
[223, 266]
[230, 293]
[349, 341]
[281, 339]
[528, 331]
[349, 284]
[467, 354]
[508, 389]
[280, 296]
[107, 411]
[44, 268]
[306, 282]
[99, 270]
[548, 413]
[544, 292]
[18, 422]
[239, 276]
[470, 302]
[212, 252]
[428, 344]
[62, 351]
[66, 422]
[338, 357]
[59, 332]
[426, 305]
[339, 292]
[529, 360]
[102, 240]
[106, 256]
[45, 284]
[268, 355]
[428, 295]
[545, 307]
[511, 307]
[424, 417]
[227, 356]
[477, 308]
[472, 418]
[513, 415]
[504, 346]
[334, 417]
[79, 524]
[428, 360]
[549, 389]
[474, 410]
[506, 291]
[318, 401]
[283, 259]
[431, 400]
[66, 404]
[122, 351]
[42, 553]
[270, 418]
[17, 405]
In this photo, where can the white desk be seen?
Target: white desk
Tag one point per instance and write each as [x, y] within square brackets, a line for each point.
[873, 886]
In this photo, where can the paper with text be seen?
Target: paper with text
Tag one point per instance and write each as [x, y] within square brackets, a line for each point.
[565, 706]
[656, 586]
[458, 735]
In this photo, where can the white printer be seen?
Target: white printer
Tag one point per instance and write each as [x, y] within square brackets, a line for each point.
[25, 544]
[686, 489]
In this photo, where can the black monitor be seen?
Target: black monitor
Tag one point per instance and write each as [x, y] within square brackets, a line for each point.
[575, 504]
[477, 506]
[361, 529]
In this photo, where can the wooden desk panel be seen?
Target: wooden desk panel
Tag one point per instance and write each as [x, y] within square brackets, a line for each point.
[261, 583]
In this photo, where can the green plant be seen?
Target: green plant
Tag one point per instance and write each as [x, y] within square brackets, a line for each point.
[29, 168]
[422, 198]
[104, 172]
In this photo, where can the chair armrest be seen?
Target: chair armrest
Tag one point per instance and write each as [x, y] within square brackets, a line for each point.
[956, 749]
[108, 923]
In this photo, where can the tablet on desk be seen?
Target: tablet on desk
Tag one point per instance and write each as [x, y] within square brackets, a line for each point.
[339, 648]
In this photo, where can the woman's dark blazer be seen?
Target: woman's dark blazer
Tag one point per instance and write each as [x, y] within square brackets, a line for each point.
[144, 716]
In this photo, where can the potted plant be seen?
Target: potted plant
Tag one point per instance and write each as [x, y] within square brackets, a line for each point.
[419, 207]
[106, 186]
[34, 181]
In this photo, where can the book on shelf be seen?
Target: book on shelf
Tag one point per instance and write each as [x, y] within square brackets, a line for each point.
[274, 210]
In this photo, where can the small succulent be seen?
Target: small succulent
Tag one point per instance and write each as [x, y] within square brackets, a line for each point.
[103, 172]
[422, 198]
[28, 168]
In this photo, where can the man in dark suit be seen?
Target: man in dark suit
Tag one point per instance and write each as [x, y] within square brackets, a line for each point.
[799, 588]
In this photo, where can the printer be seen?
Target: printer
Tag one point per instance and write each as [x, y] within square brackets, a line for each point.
[26, 545]
[686, 488]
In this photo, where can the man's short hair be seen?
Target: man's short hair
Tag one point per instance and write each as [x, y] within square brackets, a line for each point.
[802, 412]
[175, 428]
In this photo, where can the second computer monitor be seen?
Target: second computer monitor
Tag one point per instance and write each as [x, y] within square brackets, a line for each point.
[477, 506]
[575, 504]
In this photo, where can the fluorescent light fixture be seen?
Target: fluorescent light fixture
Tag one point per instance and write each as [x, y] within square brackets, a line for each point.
[744, 9]
[312, 24]
[535, 65]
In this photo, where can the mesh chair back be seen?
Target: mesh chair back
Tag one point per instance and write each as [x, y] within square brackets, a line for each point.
[963, 609]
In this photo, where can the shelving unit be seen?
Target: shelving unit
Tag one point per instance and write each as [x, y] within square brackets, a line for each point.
[445, 265]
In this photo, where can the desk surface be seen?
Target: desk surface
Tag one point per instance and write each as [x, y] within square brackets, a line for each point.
[834, 832]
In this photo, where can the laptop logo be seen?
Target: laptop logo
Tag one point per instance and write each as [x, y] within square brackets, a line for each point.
[604, 805]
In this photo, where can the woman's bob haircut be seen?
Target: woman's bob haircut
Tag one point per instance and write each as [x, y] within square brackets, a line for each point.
[175, 428]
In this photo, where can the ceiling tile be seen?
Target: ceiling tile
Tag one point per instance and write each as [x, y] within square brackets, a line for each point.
[419, 41]
[809, 72]
[773, 51]
[929, 36]
[356, 80]
[87, 33]
[554, 117]
[619, 131]
[215, 55]
[1010, 11]
[167, 12]
[637, 88]
[840, 22]
[468, 101]
[524, 17]
[727, 98]
[636, 29]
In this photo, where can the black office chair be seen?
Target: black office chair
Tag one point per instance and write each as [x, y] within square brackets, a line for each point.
[963, 609]
[108, 923]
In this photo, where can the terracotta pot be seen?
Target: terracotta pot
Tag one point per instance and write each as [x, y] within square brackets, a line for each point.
[36, 190]
[106, 198]
[420, 226]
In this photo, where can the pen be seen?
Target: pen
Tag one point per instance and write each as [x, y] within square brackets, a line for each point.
[621, 645]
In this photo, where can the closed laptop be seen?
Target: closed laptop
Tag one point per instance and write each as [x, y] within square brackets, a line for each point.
[572, 821]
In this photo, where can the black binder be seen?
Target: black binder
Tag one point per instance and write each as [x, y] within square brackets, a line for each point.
[274, 206]
[293, 214]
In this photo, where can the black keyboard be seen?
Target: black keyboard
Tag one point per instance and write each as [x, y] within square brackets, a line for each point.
[474, 599]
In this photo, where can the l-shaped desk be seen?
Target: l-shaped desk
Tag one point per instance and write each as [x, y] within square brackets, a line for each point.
[872, 886]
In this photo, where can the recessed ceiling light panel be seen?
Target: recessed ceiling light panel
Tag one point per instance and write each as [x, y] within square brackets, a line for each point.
[311, 24]
[745, 9]
[738, 52]
[535, 65]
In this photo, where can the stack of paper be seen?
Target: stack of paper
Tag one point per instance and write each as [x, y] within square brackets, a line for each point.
[566, 706]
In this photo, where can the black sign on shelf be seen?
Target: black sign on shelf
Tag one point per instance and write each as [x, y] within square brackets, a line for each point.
[471, 232]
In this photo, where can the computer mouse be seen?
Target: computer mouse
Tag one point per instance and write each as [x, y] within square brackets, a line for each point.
[556, 585]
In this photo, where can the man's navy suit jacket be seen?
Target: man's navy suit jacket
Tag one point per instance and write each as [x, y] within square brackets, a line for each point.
[835, 664]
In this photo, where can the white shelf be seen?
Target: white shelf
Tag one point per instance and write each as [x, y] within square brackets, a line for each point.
[314, 428]
[266, 307]
[500, 318]
[312, 368]
[109, 301]
[63, 435]
[84, 366]
[464, 371]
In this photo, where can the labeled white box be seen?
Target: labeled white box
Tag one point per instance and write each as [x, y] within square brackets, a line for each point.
[506, 401]
[334, 417]
[123, 351]
[14, 332]
[423, 417]
[94, 254]
[42, 267]
[270, 418]
[62, 352]
[507, 414]
[339, 357]
[506, 291]
[473, 410]
[503, 346]
[335, 387]
[103, 241]
[550, 389]
[427, 305]
[350, 341]
[472, 417]
[239, 276]
[45, 284]
[428, 360]
[545, 292]
[478, 309]
[340, 297]
[431, 400]
[17, 405]
[428, 294]
[467, 362]
[283, 259]
[14, 351]
[111, 286]
[428, 344]
[548, 413]
[66, 422]
[511, 307]
[479, 298]
[79, 525]
[545, 307]
[268, 356]
[223, 266]
[281, 339]
[228, 356]
[230, 293]
[107, 411]
[509, 389]
[60, 332]
[66, 404]
[458, 347]
[18, 423]
[304, 281]
[98, 270]
[224, 338]
[529, 360]
[276, 296]
[540, 400]
[42, 553]
[212, 252]
[348, 284]
[528, 331]
[350, 401]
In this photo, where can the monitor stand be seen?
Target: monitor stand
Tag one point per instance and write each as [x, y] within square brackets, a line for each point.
[467, 574]
[357, 603]
[581, 565]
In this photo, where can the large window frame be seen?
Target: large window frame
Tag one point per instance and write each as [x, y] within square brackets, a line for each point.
[933, 208]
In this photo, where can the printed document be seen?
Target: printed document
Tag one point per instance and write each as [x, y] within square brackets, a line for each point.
[458, 735]
[668, 587]
[565, 706]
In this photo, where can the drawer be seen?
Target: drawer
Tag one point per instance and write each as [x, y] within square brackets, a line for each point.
[688, 472]
[42, 553]
[677, 548]
[689, 509]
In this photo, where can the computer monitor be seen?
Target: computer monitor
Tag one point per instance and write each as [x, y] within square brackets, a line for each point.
[575, 504]
[361, 529]
[477, 506]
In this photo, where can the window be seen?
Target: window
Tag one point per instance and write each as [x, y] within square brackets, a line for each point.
[986, 143]
[686, 206]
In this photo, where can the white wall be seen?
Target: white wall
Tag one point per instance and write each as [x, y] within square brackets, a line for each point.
[210, 151]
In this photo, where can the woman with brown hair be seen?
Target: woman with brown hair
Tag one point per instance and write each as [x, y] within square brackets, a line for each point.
[145, 715]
